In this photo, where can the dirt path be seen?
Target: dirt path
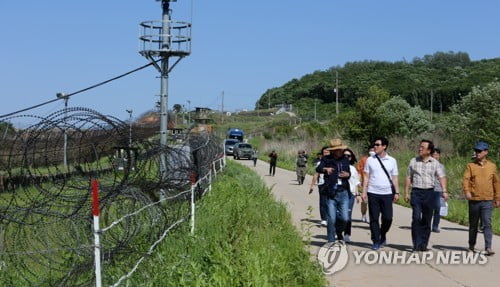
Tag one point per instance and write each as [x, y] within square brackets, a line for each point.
[452, 239]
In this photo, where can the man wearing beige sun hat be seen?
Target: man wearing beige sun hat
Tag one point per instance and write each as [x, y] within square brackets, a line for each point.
[335, 168]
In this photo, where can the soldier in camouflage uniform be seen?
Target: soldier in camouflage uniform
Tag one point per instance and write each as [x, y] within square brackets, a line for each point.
[301, 166]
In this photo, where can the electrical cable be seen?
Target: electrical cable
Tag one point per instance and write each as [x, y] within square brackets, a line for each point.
[78, 92]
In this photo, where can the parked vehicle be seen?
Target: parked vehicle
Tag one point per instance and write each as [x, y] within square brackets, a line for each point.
[229, 144]
[242, 150]
[235, 134]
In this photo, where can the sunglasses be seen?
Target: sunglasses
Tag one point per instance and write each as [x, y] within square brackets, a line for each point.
[377, 144]
[478, 151]
[347, 155]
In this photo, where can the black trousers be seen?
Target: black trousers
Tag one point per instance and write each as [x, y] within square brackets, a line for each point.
[272, 168]
[379, 205]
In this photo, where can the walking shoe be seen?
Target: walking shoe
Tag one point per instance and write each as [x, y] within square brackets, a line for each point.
[489, 252]
[375, 246]
[329, 244]
[471, 248]
[347, 238]
[383, 244]
[340, 242]
[324, 223]
[363, 218]
[436, 230]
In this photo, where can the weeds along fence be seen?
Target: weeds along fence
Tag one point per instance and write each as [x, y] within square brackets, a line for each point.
[47, 172]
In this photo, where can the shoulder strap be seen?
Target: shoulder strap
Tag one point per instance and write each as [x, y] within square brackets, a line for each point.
[385, 170]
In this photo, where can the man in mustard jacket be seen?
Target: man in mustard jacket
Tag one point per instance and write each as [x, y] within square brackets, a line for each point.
[482, 189]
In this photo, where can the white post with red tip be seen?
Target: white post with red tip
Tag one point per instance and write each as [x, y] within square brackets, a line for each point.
[97, 242]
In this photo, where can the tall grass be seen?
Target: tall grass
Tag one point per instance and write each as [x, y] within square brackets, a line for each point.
[243, 237]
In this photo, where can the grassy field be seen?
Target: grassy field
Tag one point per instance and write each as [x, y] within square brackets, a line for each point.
[243, 238]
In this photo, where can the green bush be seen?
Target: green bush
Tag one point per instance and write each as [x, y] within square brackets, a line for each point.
[267, 135]
[284, 130]
[477, 117]
[348, 125]
[397, 117]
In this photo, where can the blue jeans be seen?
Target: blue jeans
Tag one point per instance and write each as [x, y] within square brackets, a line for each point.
[422, 204]
[348, 225]
[338, 214]
[480, 209]
[436, 218]
[323, 197]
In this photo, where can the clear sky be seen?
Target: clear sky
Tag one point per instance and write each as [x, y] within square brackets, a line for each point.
[240, 47]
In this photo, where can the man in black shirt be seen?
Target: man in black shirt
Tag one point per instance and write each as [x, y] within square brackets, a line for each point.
[335, 168]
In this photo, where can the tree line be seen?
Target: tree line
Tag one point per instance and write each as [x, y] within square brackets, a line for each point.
[438, 81]
[400, 98]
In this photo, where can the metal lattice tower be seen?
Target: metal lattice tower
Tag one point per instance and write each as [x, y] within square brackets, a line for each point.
[159, 41]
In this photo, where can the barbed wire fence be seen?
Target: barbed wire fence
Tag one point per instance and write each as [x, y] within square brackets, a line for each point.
[46, 170]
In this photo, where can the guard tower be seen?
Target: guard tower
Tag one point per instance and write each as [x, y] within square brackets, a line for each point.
[161, 40]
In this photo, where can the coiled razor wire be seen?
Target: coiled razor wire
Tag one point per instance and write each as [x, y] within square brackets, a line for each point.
[46, 234]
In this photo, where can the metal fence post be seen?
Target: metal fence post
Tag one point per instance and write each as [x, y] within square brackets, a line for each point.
[210, 181]
[192, 209]
[97, 242]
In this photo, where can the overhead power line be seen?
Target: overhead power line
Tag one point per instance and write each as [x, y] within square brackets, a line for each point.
[77, 92]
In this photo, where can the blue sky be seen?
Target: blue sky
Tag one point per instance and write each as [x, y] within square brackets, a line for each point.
[240, 47]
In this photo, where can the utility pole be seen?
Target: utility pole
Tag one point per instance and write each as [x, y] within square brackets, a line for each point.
[432, 99]
[159, 41]
[130, 128]
[315, 119]
[337, 92]
[268, 101]
[189, 112]
[65, 148]
[222, 107]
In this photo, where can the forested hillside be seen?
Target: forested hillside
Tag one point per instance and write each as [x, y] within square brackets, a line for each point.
[448, 76]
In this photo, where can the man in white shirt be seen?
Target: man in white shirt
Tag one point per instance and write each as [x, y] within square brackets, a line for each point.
[378, 185]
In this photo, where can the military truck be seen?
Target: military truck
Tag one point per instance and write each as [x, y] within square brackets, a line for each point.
[235, 133]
